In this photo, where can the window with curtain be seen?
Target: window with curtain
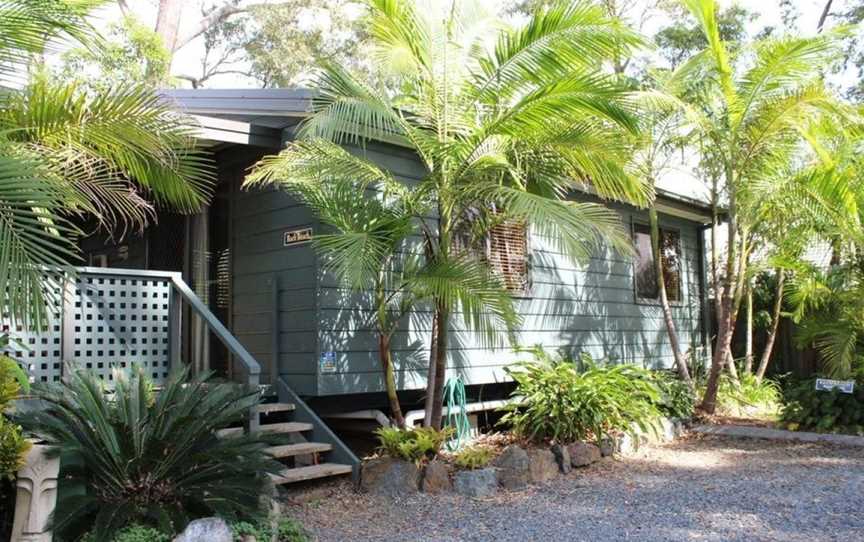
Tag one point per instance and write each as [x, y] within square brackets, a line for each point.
[670, 257]
[504, 247]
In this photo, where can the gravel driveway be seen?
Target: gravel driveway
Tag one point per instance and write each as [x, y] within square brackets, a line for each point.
[707, 489]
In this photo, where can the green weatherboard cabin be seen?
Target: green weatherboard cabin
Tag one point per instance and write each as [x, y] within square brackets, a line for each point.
[239, 290]
[247, 256]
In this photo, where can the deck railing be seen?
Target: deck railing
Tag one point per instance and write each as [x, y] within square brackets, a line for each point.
[105, 318]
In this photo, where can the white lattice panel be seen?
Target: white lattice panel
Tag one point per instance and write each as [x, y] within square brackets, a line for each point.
[120, 323]
[39, 352]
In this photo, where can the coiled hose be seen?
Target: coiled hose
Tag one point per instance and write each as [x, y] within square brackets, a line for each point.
[457, 415]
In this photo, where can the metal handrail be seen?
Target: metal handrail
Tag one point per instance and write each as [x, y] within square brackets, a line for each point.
[253, 368]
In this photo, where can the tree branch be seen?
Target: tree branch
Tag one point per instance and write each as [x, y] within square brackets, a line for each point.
[825, 12]
[214, 17]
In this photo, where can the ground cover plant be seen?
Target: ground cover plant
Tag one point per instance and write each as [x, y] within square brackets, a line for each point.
[418, 444]
[805, 408]
[473, 457]
[563, 401]
[285, 530]
[151, 459]
[748, 397]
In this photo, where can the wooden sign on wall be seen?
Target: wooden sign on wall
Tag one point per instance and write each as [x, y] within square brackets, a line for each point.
[295, 237]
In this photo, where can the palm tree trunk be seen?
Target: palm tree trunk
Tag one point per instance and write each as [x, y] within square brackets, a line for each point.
[431, 372]
[442, 317]
[680, 362]
[384, 354]
[724, 310]
[775, 324]
[748, 351]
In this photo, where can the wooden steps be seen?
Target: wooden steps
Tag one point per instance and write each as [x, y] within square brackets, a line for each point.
[312, 472]
[301, 448]
[285, 427]
[274, 419]
[270, 408]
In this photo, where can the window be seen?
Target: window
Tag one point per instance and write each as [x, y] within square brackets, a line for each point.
[504, 247]
[670, 254]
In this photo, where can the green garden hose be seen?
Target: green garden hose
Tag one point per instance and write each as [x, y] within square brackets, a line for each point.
[457, 415]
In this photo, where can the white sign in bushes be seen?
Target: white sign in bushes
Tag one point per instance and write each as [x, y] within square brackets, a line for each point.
[826, 384]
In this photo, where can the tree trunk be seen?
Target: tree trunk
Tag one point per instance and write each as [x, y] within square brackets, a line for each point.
[167, 25]
[730, 365]
[775, 323]
[725, 309]
[384, 354]
[680, 362]
[431, 372]
[440, 362]
[748, 351]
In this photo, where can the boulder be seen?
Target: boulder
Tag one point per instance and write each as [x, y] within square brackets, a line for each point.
[514, 468]
[436, 478]
[583, 454]
[542, 465]
[476, 483]
[626, 444]
[390, 477]
[562, 457]
[607, 447]
[209, 529]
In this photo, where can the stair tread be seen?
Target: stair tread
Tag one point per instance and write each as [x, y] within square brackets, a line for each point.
[311, 472]
[300, 448]
[284, 427]
[268, 408]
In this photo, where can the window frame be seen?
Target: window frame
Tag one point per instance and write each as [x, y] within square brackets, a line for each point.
[484, 253]
[639, 300]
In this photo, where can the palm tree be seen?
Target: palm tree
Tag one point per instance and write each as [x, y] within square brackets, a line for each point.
[67, 154]
[507, 122]
[369, 245]
[753, 116]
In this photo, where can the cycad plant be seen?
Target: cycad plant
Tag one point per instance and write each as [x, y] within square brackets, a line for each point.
[507, 123]
[66, 153]
[150, 458]
[755, 109]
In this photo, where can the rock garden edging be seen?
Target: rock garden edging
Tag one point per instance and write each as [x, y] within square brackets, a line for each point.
[515, 468]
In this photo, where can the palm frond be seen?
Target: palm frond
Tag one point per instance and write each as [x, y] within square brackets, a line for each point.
[467, 285]
[576, 229]
[28, 27]
[33, 235]
[130, 131]
[555, 42]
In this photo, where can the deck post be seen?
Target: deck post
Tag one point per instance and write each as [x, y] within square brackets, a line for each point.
[274, 356]
[67, 322]
[175, 329]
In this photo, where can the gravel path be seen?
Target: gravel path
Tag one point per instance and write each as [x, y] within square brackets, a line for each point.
[701, 488]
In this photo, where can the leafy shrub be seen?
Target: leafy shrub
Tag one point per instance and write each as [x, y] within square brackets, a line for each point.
[151, 459]
[474, 457]
[287, 530]
[13, 445]
[417, 444]
[749, 398]
[677, 399]
[140, 533]
[553, 400]
[826, 411]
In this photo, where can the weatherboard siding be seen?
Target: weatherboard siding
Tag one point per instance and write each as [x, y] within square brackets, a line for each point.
[571, 307]
[259, 219]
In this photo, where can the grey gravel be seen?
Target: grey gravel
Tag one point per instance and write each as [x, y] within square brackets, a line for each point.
[704, 488]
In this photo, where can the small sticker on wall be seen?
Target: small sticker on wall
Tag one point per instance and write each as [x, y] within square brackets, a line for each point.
[327, 363]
